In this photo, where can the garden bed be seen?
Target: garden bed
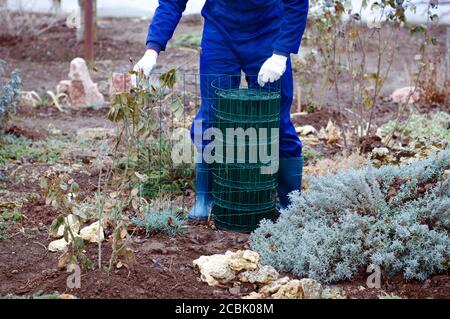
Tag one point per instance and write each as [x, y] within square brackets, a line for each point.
[163, 265]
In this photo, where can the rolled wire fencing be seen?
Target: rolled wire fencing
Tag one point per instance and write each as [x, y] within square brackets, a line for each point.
[236, 132]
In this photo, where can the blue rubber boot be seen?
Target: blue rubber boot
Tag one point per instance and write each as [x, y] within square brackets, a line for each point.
[203, 198]
[289, 179]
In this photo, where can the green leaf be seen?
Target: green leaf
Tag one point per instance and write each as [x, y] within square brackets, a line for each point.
[56, 223]
[418, 29]
[177, 108]
[79, 244]
[73, 260]
[168, 79]
[66, 233]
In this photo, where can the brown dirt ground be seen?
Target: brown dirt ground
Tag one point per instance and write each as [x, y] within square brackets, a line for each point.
[163, 266]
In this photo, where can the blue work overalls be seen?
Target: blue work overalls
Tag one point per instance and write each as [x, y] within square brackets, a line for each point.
[240, 35]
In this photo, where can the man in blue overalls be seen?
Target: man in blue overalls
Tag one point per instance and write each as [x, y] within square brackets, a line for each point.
[253, 36]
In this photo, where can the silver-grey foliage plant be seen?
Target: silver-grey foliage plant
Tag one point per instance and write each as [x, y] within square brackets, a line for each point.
[167, 222]
[9, 94]
[395, 217]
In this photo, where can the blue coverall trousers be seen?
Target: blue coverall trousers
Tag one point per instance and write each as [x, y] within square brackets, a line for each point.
[240, 35]
[221, 55]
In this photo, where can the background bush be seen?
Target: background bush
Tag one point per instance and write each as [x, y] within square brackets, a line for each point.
[167, 222]
[394, 217]
[430, 127]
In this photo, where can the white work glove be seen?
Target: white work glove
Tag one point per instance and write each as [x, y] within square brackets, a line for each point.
[145, 65]
[272, 69]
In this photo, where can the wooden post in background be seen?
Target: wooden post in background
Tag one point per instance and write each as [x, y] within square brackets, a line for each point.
[89, 30]
[80, 31]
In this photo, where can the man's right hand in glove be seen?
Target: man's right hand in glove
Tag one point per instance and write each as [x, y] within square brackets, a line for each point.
[145, 65]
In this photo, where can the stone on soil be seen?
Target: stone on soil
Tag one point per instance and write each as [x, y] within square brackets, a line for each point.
[82, 91]
[72, 222]
[274, 286]
[291, 290]
[214, 269]
[401, 95]
[243, 260]
[264, 275]
[284, 288]
[63, 87]
[311, 288]
[91, 233]
[243, 267]
[59, 245]
[306, 130]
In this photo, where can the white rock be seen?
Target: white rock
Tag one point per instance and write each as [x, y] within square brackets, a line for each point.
[243, 260]
[214, 269]
[306, 130]
[63, 87]
[90, 233]
[58, 245]
[401, 95]
[83, 92]
[264, 275]
[291, 290]
[274, 286]
[72, 222]
[311, 288]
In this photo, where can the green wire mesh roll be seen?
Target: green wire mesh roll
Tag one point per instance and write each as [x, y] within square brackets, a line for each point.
[243, 193]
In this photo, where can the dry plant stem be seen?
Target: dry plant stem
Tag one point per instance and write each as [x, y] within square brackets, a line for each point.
[100, 207]
[335, 64]
[25, 24]
[379, 86]
[404, 105]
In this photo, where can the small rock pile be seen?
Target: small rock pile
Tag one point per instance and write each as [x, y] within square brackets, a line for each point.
[243, 267]
[415, 151]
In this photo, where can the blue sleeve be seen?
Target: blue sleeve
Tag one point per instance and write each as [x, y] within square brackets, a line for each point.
[292, 27]
[164, 22]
